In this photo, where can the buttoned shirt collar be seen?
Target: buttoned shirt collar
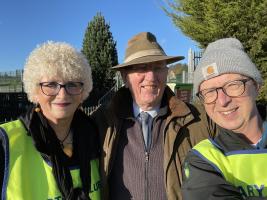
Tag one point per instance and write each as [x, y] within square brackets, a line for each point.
[137, 110]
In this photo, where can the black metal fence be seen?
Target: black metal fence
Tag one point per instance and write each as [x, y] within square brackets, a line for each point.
[197, 57]
[12, 104]
[11, 81]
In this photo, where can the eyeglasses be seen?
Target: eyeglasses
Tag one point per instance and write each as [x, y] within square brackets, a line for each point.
[53, 88]
[232, 89]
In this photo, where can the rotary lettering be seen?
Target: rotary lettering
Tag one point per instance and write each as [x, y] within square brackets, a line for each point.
[251, 190]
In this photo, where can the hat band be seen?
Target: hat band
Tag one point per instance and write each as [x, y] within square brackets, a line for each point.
[150, 52]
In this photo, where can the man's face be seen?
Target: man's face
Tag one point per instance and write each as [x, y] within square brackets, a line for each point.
[146, 83]
[232, 113]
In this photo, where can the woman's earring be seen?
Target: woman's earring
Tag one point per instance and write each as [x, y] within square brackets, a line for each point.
[37, 108]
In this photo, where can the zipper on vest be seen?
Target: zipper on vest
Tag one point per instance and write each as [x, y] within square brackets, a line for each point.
[146, 174]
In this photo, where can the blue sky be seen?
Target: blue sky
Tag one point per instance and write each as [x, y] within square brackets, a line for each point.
[26, 23]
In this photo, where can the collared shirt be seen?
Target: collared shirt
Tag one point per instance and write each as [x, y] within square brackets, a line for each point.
[137, 110]
[153, 113]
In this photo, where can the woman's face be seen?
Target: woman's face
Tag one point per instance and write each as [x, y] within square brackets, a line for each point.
[61, 105]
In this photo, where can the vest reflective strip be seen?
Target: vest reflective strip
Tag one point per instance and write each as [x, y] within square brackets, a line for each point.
[245, 169]
[29, 176]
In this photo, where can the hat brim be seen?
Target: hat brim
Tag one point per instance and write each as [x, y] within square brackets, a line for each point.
[149, 59]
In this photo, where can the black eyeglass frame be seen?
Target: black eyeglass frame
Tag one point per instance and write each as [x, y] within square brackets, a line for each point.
[59, 86]
[202, 98]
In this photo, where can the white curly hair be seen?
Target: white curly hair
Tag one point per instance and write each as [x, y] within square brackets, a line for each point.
[56, 59]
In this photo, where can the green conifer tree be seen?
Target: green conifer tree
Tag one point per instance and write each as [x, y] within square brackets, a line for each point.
[205, 21]
[100, 50]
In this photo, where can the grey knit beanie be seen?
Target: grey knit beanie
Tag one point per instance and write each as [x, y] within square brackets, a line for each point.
[225, 56]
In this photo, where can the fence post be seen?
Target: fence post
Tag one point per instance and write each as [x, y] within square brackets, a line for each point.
[190, 66]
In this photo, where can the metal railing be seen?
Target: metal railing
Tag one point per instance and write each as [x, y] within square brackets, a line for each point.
[90, 110]
[102, 101]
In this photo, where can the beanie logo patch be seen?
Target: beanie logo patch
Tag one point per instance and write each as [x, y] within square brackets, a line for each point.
[210, 71]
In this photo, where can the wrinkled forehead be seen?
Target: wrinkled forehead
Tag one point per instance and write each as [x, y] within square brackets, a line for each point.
[145, 66]
[151, 64]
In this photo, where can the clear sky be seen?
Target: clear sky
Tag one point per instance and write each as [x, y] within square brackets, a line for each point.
[26, 23]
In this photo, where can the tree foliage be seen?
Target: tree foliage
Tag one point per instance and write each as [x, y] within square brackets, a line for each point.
[100, 50]
[178, 68]
[208, 20]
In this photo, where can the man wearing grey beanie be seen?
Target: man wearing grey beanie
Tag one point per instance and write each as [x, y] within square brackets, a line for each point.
[231, 166]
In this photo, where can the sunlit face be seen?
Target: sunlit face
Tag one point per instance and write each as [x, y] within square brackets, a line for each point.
[60, 106]
[146, 83]
[233, 113]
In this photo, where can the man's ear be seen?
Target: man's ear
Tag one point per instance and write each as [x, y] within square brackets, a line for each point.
[124, 77]
[258, 87]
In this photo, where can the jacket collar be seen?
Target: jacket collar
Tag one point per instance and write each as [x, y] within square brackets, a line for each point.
[121, 104]
[228, 140]
[122, 99]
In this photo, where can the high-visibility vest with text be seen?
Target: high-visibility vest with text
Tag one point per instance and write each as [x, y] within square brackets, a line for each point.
[27, 175]
[245, 169]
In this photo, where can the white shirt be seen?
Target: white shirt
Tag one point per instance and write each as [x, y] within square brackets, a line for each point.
[137, 110]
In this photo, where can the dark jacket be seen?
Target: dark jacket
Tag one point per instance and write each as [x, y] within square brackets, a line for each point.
[183, 129]
[204, 181]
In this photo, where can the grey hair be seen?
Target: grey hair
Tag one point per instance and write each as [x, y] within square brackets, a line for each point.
[56, 59]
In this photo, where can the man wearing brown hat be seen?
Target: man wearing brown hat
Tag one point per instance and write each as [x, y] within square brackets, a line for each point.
[146, 131]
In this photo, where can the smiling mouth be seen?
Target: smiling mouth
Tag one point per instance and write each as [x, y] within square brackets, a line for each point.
[62, 104]
[229, 111]
[149, 86]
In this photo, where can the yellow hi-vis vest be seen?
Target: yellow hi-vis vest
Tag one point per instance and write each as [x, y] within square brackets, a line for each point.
[245, 169]
[27, 175]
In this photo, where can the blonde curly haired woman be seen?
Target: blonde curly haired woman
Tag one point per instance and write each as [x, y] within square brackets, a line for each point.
[51, 152]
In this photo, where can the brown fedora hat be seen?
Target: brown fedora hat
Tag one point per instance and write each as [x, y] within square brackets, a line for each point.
[144, 48]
